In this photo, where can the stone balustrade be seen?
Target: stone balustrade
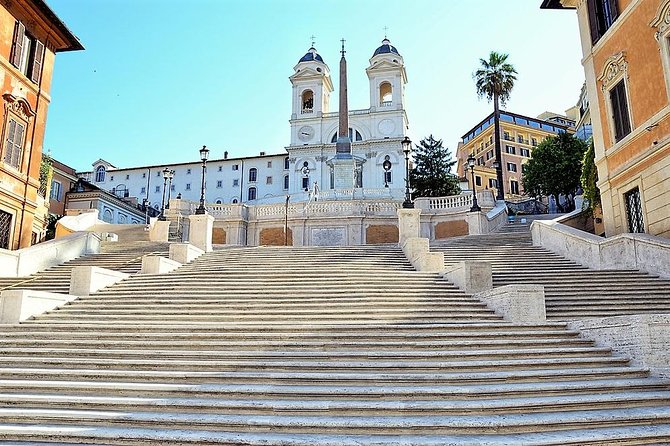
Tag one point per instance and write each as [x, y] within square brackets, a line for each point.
[485, 199]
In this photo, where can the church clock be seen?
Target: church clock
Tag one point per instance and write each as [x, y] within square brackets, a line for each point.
[306, 133]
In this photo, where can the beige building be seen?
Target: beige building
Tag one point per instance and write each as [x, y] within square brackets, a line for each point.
[520, 134]
[626, 58]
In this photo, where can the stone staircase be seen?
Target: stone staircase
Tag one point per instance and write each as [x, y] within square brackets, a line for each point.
[312, 346]
[125, 257]
[572, 291]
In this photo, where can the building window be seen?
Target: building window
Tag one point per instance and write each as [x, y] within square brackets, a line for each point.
[511, 167]
[172, 187]
[268, 180]
[188, 186]
[478, 180]
[525, 152]
[514, 187]
[489, 155]
[269, 164]
[252, 194]
[144, 175]
[634, 211]
[236, 167]
[305, 183]
[188, 171]
[143, 190]
[533, 142]
[14, 142]
[388, 177]
[480, 161]
[286, 163]
[620, 115]
[111, 178]
[234, 201]
[56, 190]
[100, 174]
[27, 53]
[220, 168]
[158, 173]
[353, 136]
[253, 173]
[602, 14]
[511, 150]
[507, 136]
[286, 182]
[236, 183]
[219, 183]
[157, 189]
[218, 201]
[493, 183]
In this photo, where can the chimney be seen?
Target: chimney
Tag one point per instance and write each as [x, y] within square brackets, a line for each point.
[225, 155]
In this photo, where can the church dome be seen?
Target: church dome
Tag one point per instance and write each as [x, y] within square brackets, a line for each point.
[311, 56]
[386, 48]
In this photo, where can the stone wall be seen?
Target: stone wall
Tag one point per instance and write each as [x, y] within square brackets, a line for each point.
[376, 234]
[275, 237]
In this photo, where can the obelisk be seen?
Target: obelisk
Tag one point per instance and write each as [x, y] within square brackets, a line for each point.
[343, 145]
[343, 162]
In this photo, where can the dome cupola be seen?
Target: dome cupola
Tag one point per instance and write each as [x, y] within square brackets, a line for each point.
[386, 48]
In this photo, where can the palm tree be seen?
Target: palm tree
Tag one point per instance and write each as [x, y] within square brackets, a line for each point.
[494, 81]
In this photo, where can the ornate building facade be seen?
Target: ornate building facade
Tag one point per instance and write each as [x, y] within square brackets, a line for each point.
[30, 36]
[626, 58]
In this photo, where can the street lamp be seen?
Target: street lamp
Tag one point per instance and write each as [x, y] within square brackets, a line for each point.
[166, 173]
[496, 166]
[387, 166]
[471, 164]
[406, 149]
[169, 189]
[204, 154]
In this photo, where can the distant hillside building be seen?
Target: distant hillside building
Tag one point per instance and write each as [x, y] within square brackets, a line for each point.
[30, 35]
[520, 134]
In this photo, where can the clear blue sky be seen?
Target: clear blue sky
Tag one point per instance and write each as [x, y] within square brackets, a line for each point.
[160, 78]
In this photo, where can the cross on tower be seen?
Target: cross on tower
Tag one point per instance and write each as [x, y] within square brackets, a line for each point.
[386, 28]
[343, 47]
[313, 41]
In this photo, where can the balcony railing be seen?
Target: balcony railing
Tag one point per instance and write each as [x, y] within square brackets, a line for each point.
[386, 103]
[306, 110]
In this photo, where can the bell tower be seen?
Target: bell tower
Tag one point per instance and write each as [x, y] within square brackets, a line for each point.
[311, 86]
[387, 77]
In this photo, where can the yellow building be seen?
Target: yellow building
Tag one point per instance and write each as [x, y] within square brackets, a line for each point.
[520, 134]
[626, 49]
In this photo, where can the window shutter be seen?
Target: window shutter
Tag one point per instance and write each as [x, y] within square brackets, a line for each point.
[18, 145]
[36, 70]
[614, 9]
[593, 20]
[9, 141]
[616, 112]
[623, 106]
[17, 44]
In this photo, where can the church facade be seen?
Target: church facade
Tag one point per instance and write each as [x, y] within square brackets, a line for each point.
[305, 170]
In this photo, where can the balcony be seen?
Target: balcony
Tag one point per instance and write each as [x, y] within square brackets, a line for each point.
[386, 103]
[305, 111]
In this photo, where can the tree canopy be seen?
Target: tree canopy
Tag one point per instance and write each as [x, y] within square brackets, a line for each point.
[431, 175]
[555, 168]
[495, 78]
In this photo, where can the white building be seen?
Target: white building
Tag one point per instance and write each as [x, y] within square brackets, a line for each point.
[302, 170]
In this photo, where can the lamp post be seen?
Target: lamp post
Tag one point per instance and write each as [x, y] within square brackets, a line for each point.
[169, 189]
[471, 164]
[387, 166]
[166, 172]
[204, 154]
[407, 149]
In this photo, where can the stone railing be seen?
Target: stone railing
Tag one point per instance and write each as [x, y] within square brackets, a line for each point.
[324, 209]
[624, 251]
[26, 261]
[485, 199]
[228, 210]
[361, 194]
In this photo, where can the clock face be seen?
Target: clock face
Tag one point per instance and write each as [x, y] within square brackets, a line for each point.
[306, 133]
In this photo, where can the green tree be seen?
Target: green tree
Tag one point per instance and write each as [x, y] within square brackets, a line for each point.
[495, 81]
[554, 168]
[589, 179]
[431, 175]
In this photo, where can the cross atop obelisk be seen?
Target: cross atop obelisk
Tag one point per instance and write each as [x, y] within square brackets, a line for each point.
[343, 145]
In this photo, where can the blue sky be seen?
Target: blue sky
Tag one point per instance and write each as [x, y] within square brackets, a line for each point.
[160, 78]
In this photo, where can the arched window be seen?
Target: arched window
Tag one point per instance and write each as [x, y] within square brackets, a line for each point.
[252, 194]
[385, 94]
[353, 136]
[307, 101]
[253, 174]
[100, 174]
[218, 201]
[286, 182]
[234, 201]
[286, 163]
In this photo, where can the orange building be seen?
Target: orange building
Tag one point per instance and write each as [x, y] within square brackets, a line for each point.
[626, 46]
[30, 35]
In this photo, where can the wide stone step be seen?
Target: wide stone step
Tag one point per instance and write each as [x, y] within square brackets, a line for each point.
[361, 425]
